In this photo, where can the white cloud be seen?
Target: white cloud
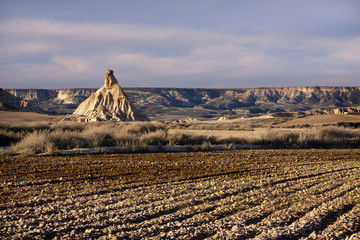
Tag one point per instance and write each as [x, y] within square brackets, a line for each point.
[72, 64]
[349, 50]
[83, 51]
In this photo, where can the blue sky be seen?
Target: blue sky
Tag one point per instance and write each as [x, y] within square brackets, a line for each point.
[188, 43]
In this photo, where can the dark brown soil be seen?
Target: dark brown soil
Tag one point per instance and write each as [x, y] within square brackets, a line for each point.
[73, 172]
[266, 194]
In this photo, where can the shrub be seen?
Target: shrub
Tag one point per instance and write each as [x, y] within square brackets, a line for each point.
[25, 126]
[234, 140]
[179, 139]
[205, 146]
[68, 126]
[136, 147]
[45, 137]
[277, 137]
[186, 139]
[144, 127]
[125, 139]
[36, 142]
[336, 133]
[68, 139]
[98, 136]
[154, 138]
[8, 137]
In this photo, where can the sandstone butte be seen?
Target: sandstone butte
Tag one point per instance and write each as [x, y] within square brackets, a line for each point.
[109, 103]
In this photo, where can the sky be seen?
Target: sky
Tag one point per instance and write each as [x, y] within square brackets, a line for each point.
[187, 43]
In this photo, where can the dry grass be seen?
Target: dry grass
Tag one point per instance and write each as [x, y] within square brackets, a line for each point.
[25, 126]
[7, 137]
[318, 137]
[138, 135]
[143, 127]
[246, 124]
[35, 142]
[69, 135]
[277, 137]
[158, 137]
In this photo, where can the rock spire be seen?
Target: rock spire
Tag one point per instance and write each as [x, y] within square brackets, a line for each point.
[110, 103]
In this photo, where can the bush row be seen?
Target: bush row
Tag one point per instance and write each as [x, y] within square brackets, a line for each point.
[59, 136]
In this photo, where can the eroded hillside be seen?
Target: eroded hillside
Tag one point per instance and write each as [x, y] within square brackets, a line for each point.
[202, 102]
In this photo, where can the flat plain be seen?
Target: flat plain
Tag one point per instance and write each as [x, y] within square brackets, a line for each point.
[8, 116]
[247, 194]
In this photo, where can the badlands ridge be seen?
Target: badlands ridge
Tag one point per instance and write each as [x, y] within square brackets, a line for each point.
[201, 102]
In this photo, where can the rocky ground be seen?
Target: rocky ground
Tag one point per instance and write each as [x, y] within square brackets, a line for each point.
[252, 194]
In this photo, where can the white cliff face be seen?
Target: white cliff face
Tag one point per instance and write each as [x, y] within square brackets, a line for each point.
[110, 103]
[72, 96]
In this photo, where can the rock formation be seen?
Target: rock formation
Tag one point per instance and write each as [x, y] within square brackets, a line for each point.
[110, 103]
[202, 102]
[9, 102]
[349, 110]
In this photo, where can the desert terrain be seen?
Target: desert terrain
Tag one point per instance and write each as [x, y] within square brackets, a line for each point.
[249, 194]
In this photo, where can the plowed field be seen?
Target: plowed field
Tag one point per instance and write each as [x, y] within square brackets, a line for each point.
[253, 194]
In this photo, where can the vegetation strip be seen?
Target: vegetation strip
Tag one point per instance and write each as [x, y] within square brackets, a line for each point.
[236, 194]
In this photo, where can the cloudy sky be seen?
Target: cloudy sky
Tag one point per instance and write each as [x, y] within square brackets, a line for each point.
[187, 43]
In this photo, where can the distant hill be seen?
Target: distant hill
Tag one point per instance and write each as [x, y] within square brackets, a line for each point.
[9, 102]
[202, 102]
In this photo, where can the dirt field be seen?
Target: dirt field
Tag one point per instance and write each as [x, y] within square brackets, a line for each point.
[321, 120]
[259, 194]
[7, 116]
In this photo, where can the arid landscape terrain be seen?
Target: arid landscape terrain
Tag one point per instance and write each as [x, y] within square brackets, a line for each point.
[266, 176]
[249, 194]
[179, 120]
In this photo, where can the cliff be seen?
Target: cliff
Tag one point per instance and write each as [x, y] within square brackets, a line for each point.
[9, 102]
[202, 102]
[54, 101]
[345, 110]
